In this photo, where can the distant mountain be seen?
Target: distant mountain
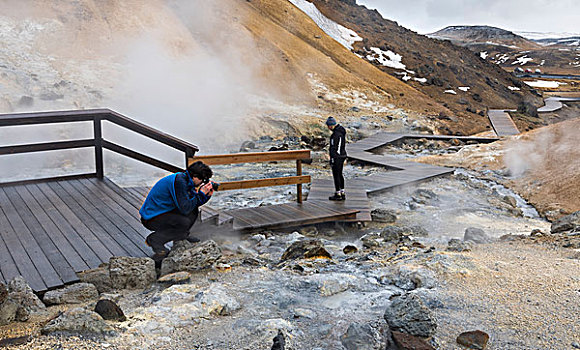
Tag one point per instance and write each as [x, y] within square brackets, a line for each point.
[473, 35]
[548, 52]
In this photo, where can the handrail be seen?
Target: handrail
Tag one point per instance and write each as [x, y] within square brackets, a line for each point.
[96, 116]
[259, 157]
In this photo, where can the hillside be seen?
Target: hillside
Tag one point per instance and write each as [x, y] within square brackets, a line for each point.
[432, 66]
[511, 51]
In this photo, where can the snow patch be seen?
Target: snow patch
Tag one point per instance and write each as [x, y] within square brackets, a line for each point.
[483, 54]
[386, 58]
[452, 92]
[522, 60]
[513, 88]
[464, 88]
[421, 80]
[346, 37]
[544, 83]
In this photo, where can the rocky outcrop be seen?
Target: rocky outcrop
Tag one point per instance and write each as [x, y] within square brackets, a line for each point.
[408, 314]
[311, 248]
[74, 294]
[567, 223]
[17, 301]
[131, 273]
[99, 277]
[186, 256]
[79, 321]
[383, 215]
[476, 235]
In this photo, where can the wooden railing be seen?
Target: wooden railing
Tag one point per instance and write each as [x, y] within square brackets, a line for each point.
[260, 157]
[96, 116]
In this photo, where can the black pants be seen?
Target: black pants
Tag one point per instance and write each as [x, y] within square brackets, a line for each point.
[337, 164]
[171, 226]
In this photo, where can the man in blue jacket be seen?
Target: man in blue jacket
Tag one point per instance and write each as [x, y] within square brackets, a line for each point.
[172, 206]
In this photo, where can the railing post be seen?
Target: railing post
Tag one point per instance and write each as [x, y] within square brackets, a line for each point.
[98, 146]
[189, 153]
[299, 186]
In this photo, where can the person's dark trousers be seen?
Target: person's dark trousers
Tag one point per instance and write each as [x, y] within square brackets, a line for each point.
[172, 226]
[337, 165]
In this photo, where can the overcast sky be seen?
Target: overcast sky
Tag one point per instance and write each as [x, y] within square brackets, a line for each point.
[427, 16]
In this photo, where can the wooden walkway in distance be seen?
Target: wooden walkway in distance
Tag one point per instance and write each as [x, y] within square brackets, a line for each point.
[51, 230]
[502, 123]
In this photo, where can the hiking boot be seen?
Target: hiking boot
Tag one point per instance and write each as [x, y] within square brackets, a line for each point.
[157, 249]
[192, 239]
[343, 196]
[336, 197]
[159, 256]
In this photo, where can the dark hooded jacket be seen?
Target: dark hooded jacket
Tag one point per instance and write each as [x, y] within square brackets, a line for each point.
[338, 142]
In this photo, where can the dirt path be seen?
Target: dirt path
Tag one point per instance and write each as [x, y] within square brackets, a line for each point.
[525, 296]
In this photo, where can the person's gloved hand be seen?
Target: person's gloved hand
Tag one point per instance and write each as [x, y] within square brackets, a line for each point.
[207, 189]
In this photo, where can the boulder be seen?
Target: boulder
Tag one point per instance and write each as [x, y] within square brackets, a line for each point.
[372, 240]
[412, 277]
[310, 248]
[78, 321]
[365, 337]
[131, 273]
[392, 233]
[476, 235]
[457, 245]
[279, 341]
[409, 342]
[99, 277]
[473, 340]
[383, 215]
[109, 310]
[408, 314]
[186, 256]
[567, 223]
[74, 294]
[175, 278]
[8, 310]
[22, 294]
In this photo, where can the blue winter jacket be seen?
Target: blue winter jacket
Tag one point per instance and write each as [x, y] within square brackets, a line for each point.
[175, 191]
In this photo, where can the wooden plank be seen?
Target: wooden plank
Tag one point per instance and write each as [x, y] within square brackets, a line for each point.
[33, 247]
[7, 264]
[132, 232]
[47, 146]
[22, 260]
[140, 157]
[56, 258]
[79, 245]
[92, 246]
[275, 181]
[251, 157]
[90, 212]
[58, 238]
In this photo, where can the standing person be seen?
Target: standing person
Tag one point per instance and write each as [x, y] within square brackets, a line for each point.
[172, 206]
[337, 157]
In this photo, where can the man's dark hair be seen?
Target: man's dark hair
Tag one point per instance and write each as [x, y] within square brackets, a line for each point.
[200, 170]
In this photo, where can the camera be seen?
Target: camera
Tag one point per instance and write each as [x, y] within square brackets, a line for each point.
[214, 185]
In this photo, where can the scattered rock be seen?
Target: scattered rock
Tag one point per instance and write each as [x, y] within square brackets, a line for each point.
[457, 245]
[408, 314]
[99, 277]
[3, 292]
[176, 278]
[131, 273]
[311, 248]
[409, 342]
[413, 277]
[476, 235]
[25, 101]
[109, 310]
[304, 313]
[372, 240]
[576, 345]
[22, 294]
[8, 310]
[349, 249]
[392, 233]
[510, 200]
[15, 341]
[473, 340]
[364, 337]
[567, 223]
[74, 294]
[78, 322]
[186, 256]
[383, 215]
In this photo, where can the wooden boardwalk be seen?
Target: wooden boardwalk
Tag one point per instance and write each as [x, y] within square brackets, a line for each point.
[51, 230]
[356, 197]
[502, 123]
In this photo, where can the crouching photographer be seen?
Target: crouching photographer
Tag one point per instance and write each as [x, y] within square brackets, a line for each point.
[172, 206]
